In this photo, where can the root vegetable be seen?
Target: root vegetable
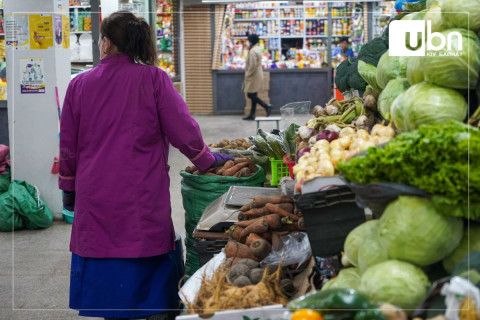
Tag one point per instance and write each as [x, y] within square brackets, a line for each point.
[259, 226]
[290, 227]
[237, 250]
[218, 170]
[210, 174]
[246, 223]
[273, 221]
[256, 275]
[245, 172]
[276, 245]
[261, 249]
[240, 160]
[252, 237]
[262, 201]
[235, 233]
[274, 209]
[237, 271]
[301, 224]
[251, 264]
[197, 173]
[233, 170]
[286, 206]
[242, 281]
[188, 170]
[254, 213]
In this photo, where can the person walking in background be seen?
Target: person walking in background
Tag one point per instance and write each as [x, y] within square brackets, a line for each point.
[343, 51]
[118, 121]
[253, 82]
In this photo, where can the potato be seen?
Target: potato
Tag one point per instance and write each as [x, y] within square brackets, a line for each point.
[237, 271]
[223, 143]
[250, 263]
[214, 145]
[256, 275]
[242, 281]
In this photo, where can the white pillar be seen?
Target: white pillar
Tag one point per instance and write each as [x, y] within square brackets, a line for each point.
[32, 112]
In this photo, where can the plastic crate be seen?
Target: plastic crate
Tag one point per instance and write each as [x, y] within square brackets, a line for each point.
[329, 217]
[68, 216]
[207, 248]
[279, 170]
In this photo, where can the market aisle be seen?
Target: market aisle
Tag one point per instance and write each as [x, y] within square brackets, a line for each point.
[42, 260]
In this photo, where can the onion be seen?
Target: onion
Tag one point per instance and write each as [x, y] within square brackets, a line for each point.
[305, 132]
[327, 135]
[302, 152]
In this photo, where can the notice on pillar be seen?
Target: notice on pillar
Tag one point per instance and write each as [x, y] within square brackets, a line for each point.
[16, 31]
[41, 31]
[66, 32]
[31, 75]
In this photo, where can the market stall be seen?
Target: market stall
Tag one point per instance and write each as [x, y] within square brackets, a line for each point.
[376, 210]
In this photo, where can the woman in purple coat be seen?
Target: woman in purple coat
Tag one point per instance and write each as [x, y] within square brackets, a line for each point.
[118, 120]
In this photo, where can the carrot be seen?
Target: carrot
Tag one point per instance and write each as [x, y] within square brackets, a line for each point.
[290, 227]
[261, 249]
[252, 237]
[210, 174]
[240, 160]
[210, 170]
[238, 174]
[259, 226]
[286, 206]
[238, 250]
[267, 236]
[273, 221]
[188, 170]
[247, 207]
[197, 173]
[235, 232]
[241, 156]
[246, 223]
[228, 164]
[231, 171]
[262, 201]
[221, 171]
[245, 172]
[255, 213]
[275, 241]
[274, 209]
[301, 224]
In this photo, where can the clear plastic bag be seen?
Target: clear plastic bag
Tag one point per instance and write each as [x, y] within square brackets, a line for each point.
[295, 249]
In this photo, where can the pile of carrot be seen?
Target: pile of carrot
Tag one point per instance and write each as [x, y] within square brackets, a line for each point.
[261, 224]
[239, 167]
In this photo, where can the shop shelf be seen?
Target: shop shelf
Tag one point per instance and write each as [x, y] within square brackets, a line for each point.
[329, 216]
[80, 7]
[291, 19]
[318, 36]
[266, 19]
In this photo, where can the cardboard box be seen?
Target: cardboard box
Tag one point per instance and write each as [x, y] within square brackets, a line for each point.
[274, 312]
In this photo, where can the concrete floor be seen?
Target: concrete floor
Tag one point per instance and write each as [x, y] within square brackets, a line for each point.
[35, 265]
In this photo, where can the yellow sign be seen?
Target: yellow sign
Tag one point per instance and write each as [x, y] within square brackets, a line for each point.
[41, 31]
[66, 32]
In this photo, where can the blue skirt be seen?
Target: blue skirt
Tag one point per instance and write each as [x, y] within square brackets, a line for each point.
[125, 288]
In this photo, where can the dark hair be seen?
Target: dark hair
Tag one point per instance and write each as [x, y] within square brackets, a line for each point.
[131, 35]
[344, 39]
[253, 38]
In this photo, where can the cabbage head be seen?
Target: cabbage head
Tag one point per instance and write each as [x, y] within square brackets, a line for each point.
[396, 282]
[371, 252]
[411, 230]
[347, 278]
[394, 88]
[415, 70]
[369, 73]
[355, 239]
[462, 251]
[460, 19]
[426, 103]
[451, 71]
[434, 14]
[390, 68]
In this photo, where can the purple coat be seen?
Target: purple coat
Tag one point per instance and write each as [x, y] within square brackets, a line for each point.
[118, 120]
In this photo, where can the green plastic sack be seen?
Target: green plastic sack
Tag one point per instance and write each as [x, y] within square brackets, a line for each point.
[197, 193]
[5, 180]
[30, 206]
[9, 219]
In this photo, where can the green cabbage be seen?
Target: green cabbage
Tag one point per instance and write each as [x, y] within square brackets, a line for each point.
[446, 69]
[393, 89]
[460, 12]
[426, 103]
[462, 250]
[347, 278]
[371, 252]
[355, 238]
[369, 73]
[389, 68]
[415, 70]
[411, 230]
[431, 3]
[434, 14]
[396, 282]
[420, 15]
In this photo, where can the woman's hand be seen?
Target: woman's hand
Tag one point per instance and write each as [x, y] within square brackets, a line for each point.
[220, 159]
